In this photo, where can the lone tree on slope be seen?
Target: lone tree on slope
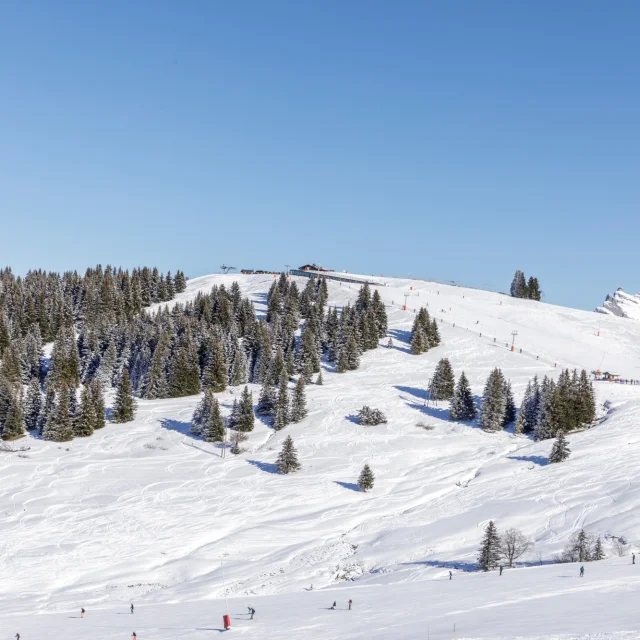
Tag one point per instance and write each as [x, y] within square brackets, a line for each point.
[560, 450]
[287, 461]
[366, 479]
[443, 382]
[490, 549]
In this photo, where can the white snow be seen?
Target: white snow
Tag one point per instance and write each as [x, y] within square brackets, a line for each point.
[145, 512]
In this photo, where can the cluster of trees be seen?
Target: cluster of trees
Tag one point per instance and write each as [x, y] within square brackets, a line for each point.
[583, 547]
[497, 549]
[371, 417]
[553, 407]
[520, 288]
[424, 333]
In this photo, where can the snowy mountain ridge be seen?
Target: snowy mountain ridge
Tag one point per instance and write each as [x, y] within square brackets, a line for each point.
[621, 304]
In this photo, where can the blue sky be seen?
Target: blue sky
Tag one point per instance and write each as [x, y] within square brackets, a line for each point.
[453, 140]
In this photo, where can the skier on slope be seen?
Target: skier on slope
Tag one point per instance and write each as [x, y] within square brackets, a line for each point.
[450, 575]
[253, 612]
[82, 613]
[333, 606]
[582, 571]
[134, 636]
[501, 568]
[350, 603]
[132, 607]
[17, 636]
[633, 558]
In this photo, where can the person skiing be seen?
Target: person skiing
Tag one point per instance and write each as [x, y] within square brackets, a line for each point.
[350, 603]
[333, 606]
[450, 575]
[501, 568]
[132, 607]
[253, 612]
[82, 613]
[248, 611]
[17, 636]
[134, 636]
[633, 558]
[582, 571]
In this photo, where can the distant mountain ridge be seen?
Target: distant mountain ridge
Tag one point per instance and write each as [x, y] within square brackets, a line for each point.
[621, 304]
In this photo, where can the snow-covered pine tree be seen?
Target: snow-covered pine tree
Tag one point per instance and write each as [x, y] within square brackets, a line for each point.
[528, 414]
[533, 289]
[510, 406]
[282, 417]
[32, 405]
[443, 381]
[184, 374]
[215, 373]
[267, 400]
[587, 400]
[213, 429]
[97, 400]
[84, 423]
[519, 285]
[299, 401]
[201, 413]
[246, 418]
[58, 427]
[418, 340]
[124, 406]
[287, 461]
[48, 407]
[14, 427]
[463, 406]
[545, 427]
[493, 402]
[490, 551]
[239, 368]
[560, 450]
[380, 313]
[598, 553]
[366, 479]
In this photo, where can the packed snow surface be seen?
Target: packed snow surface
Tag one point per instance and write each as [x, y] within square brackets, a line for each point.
[145, 512]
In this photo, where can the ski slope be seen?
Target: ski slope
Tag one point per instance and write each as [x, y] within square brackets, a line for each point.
[146, 512]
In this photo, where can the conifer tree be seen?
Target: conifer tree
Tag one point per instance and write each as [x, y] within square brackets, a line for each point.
[86, 420]
[59, 427]
[519, 285]
[492, 408]
[560, 450]
[48, 407]
[366, 479]
[528, 414]
[287, 461]
[545, 427]
[239, 368]
[299, 402]
[215, 374]
[246, 418]
[490, 551]
[14, 427]
[533, 289]
[97, 400]
[463, 406]
[184, 375]
[598, 553]
[418, 341]
[124, 406]
[157, 386]
[319, 380]
[32, 405]
[202, 412]
[213, 429]
[342, 365]
[443, 381]
[586, 400]
[282, 417]
[510, 406]
[267, 400]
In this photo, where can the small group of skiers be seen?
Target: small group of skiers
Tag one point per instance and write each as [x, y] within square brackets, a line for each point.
[335, 604]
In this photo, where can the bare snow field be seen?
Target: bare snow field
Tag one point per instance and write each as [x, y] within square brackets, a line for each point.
[145, 512]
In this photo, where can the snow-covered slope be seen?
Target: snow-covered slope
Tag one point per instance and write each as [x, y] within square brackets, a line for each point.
[145, 511]
[621, 304]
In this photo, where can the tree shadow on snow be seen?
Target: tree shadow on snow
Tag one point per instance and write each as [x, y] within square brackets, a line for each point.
[264, 466]
[414, 391]
[352, 417]
[348, 485]
[458, 565]
[401, 335]
[539, 460]
[441, 413]
[183, 428]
